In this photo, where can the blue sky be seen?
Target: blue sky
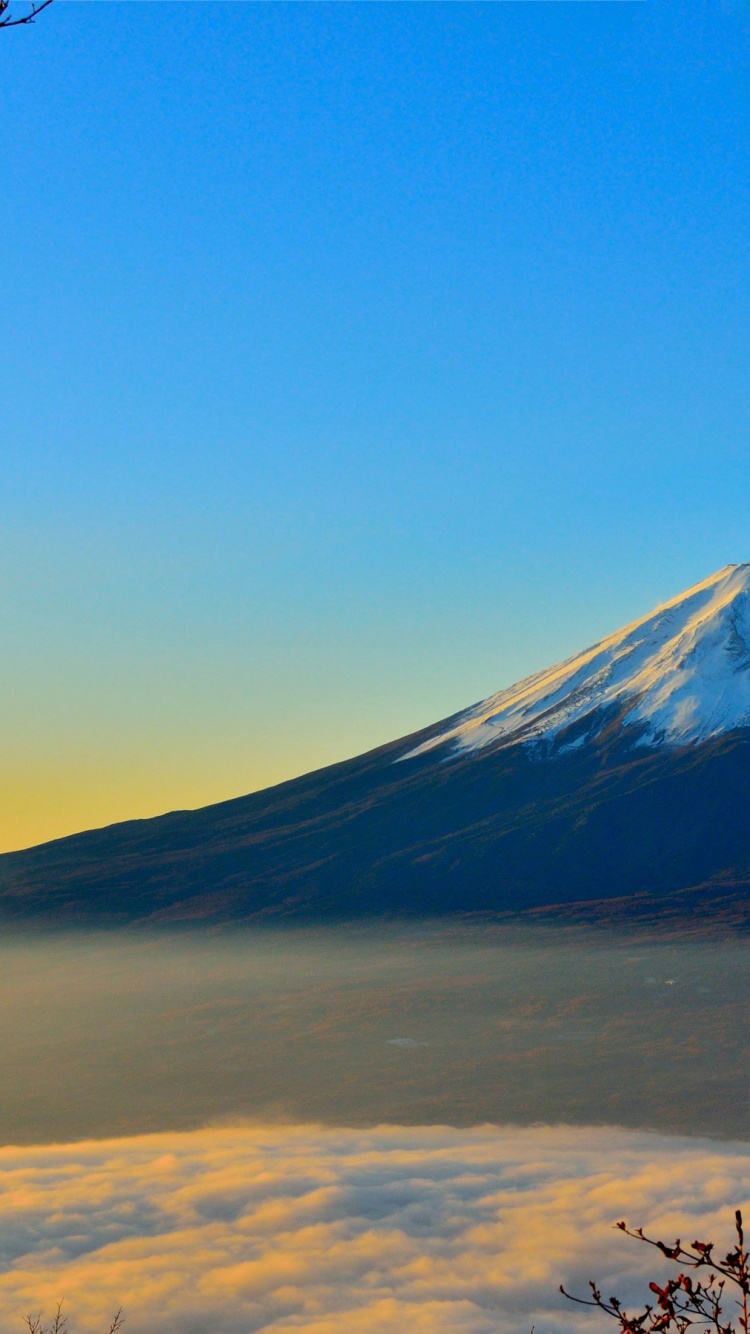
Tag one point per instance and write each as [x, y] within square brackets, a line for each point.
[358, 359]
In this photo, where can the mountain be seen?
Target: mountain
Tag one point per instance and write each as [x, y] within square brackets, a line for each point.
[615, 784]
[678, 676]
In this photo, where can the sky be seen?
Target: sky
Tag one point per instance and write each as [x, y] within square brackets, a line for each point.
[358, 360]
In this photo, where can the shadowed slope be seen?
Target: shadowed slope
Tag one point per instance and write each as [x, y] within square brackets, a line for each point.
[500, 831]
[622, 772]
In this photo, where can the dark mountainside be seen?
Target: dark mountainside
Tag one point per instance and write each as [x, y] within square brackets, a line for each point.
[498, 831]
[618, 780]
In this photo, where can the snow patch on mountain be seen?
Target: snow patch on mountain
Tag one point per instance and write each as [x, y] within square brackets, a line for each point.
[681, 674]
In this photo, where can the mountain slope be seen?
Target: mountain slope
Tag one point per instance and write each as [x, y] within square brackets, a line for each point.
[681, 674]
[622, 773]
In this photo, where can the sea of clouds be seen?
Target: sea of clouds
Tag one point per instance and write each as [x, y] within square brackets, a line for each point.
[339, 1231]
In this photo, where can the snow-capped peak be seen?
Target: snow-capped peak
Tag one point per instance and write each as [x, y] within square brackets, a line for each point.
[681, 674]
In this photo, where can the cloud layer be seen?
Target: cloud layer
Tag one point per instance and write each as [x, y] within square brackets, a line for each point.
[330, 1231]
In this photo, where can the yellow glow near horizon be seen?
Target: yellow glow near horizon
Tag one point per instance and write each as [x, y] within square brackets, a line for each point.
[47, 802]
[51, 789]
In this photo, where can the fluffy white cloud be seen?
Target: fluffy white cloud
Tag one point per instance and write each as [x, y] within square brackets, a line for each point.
[332, 1231]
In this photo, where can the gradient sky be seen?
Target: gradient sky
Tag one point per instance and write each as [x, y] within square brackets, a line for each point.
[358, 359]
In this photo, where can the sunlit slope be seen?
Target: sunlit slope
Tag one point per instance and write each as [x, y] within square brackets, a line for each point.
[622, 773]
[678, 675]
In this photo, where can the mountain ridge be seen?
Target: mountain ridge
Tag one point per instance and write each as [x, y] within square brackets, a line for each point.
[678, 669]
[594, 808]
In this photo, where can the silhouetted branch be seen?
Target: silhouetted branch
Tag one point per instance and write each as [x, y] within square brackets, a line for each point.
[684, 1301]
[59, 1324]
[12, 20]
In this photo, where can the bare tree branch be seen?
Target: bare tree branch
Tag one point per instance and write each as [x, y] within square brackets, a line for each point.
[11, 20]
[59, 1324]
[684, 1301]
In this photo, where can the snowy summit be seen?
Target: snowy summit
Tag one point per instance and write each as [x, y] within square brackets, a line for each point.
[681, 675]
